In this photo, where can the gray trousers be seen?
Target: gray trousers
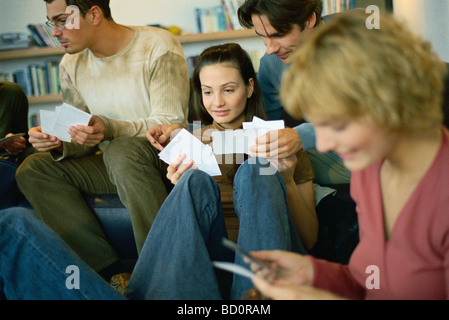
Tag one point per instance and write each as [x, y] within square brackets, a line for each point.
[129, 167]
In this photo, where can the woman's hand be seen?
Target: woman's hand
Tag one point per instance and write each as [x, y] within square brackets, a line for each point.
[293, 292]
[290, 268]
[293, 277]
[285, 166]
[175, 170]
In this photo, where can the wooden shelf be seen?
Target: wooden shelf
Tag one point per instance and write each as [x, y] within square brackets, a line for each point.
[45, 99]
[31, 53]
[188, 38]
[223, 35]
[54, 51]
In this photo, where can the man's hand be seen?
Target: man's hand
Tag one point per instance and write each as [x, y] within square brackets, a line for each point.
[277, 144]
[160, 135]
[43, 142]
[90, 135]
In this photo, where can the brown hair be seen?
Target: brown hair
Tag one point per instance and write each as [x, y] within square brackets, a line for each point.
[282, 14]
[234, 55]
[87, 4]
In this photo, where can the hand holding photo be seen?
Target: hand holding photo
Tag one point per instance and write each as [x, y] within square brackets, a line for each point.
[232, 267]
[57, 123]
[10, 138]
[193, 148]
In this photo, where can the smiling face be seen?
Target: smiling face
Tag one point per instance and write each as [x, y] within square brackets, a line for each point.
[73, 40]
[281, 45]
[224, 93]
[358, 143]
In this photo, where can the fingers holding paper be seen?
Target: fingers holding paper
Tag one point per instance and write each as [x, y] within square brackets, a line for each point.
[161, 134]
[293, 272]
[285, 166]
[176, 169]
[42, 141]
[90, 135]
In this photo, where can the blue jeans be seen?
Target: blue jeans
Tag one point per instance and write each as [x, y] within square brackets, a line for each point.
[34, 261]
[175, 262]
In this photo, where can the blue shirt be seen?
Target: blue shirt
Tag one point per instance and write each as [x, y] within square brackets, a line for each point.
[269, 77]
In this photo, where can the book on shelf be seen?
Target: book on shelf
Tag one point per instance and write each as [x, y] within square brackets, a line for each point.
[211, 19]
[191, 63]
[335, 6]
[41, 34]
[222, 17]
[15, 40]
[231, 7]
[36, 79]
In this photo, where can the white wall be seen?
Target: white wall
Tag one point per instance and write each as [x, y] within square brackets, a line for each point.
[428, 18]
[16, 14]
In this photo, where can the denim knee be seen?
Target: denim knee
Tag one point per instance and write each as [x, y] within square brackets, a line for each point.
[198, 180]
[256, 171]
[20, 217]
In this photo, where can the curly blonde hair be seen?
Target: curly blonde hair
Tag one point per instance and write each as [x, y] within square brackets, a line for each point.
[389, 75]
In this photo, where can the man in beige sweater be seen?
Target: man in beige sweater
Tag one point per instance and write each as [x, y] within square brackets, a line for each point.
[130, 79]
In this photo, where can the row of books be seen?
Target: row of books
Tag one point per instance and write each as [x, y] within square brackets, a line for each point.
[36, 79]
[218, 18]
[41, 34]
[335, 6]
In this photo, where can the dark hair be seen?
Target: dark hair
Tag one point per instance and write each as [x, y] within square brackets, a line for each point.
[83, 5]
[282, 14]
[234, 55]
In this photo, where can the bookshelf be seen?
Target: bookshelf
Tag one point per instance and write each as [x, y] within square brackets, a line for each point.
[184, 39]
[50, 98]
[34, 52]
[43, 52]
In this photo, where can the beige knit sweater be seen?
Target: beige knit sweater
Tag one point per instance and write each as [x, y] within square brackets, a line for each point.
[145, 84]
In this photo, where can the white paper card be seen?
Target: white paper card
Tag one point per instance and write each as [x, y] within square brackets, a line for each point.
[263, 124]
[57, 123]
[239, 141]
[48, 120]
[202, 155]
[232, 267]
[235, 141]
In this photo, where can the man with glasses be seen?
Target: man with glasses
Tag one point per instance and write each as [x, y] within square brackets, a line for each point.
[129, 78]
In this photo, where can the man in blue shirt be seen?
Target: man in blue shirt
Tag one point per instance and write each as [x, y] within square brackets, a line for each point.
[282, 25]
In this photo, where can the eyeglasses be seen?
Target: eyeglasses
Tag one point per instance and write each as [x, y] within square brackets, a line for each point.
[61, 25]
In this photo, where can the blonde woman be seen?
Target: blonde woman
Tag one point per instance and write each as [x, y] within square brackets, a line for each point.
[374, 98]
